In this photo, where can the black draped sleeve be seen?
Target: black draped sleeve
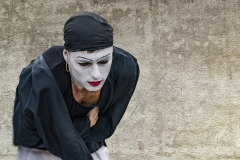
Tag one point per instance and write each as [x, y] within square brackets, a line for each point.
[41, 118]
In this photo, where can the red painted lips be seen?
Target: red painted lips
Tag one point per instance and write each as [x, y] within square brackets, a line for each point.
[95, 83]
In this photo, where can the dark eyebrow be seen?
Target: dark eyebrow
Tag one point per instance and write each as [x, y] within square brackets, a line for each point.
[103, 56]
[83, 58]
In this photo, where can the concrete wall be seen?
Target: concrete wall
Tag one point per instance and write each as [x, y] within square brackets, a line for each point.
[187, 103]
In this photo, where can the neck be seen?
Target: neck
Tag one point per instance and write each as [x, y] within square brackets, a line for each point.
[84, 96]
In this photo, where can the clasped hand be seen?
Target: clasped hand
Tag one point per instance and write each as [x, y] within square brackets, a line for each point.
[93, 115]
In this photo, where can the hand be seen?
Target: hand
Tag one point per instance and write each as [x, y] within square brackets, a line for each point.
[93, 116]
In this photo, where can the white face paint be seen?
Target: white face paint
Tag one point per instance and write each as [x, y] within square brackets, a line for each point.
[89, 70]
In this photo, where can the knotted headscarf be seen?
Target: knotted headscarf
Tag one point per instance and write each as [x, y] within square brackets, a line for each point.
[87, 31]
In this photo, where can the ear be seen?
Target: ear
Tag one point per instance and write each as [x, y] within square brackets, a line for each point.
[66, 55]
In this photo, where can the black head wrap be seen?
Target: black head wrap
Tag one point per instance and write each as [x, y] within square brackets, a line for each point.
[87, 31]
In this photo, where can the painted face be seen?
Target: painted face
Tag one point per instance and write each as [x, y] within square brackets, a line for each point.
[89, 70]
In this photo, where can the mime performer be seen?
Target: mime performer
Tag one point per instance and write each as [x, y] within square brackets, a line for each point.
[71, 98]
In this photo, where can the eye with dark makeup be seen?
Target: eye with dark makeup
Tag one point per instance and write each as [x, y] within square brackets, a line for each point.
[84, 64]
[103, 62]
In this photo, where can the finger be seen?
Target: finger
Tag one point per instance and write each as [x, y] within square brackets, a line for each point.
[94, 119]
[96, 115]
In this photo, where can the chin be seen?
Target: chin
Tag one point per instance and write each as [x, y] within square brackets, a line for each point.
[93, 89]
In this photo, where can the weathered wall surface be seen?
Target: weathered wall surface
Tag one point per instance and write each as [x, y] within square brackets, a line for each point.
[187, 103]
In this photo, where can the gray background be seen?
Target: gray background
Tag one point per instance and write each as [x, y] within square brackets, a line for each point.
[186, 104]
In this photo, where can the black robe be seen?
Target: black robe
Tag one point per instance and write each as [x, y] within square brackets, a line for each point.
[41, 117]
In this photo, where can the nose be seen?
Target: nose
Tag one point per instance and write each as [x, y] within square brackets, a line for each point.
[95, 72]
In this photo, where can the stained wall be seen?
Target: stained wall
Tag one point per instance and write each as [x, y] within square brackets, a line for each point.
[186, 104]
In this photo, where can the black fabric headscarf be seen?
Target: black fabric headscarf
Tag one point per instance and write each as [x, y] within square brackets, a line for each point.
[87, 31]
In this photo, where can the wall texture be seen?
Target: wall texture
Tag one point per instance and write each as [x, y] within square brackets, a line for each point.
[187, 103]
